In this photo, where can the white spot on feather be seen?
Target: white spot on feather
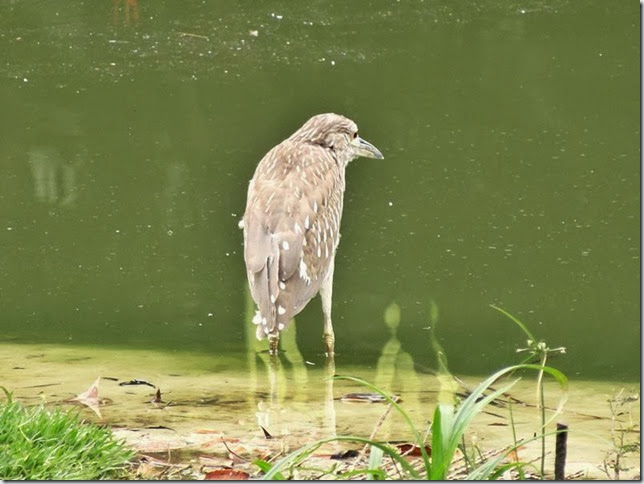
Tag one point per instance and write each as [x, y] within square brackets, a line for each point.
[303, 272]
[306, 222]
[282, 285]
[257, 319]
[280, 326]
[285, 245]
[281, 310]
[272, 298]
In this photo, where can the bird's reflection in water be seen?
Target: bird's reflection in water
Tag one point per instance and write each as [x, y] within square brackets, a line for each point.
[289, 397]
[285, 395]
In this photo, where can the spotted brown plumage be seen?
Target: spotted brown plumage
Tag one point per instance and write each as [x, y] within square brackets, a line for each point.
[292, 222]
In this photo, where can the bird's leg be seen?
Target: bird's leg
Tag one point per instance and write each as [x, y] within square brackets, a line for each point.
[273, 341]
[326, 293]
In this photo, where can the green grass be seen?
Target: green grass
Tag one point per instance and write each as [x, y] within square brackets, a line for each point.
[41, 444]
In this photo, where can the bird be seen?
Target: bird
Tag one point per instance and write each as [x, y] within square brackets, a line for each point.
[292, 220]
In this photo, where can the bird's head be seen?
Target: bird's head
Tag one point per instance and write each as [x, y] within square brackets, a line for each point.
[336, 133]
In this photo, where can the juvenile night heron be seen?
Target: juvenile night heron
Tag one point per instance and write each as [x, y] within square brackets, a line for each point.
[292, 222]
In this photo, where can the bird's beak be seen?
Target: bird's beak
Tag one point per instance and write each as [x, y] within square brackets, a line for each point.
[366, 149]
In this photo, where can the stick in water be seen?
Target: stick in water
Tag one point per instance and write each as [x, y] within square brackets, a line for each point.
[560, 451]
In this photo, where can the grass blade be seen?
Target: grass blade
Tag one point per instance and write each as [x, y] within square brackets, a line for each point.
[375, 461]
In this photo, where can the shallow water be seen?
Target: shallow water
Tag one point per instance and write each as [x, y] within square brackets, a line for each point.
[209, 400]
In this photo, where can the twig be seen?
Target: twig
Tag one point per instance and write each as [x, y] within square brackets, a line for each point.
[188, 34]
[233, 453]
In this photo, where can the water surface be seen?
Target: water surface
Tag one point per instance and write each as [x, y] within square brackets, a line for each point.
[511, 141]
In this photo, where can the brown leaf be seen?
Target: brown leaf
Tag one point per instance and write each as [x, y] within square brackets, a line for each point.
[214, 461]
[514, 454]
[90, 397]
[226, 475]
[149, 471]
[157, 398]
[412, 450]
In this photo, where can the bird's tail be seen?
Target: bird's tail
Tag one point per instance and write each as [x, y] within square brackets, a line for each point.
[265, 292]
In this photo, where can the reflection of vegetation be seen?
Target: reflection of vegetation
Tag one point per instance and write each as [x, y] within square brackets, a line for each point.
[621, 445]
[38, 444]
[450, 423]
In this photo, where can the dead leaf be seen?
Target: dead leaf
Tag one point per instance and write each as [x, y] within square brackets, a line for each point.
[226, 475]
[136, 382]
[513, 455]
[412, 450]
[367, 398]
[149, 471]
[90, 397]
[345, 455]
[157, 398]
[214, 461]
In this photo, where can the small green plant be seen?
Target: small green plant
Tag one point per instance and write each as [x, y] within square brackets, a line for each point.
[41, 444]
[621, 445]
[537, 350]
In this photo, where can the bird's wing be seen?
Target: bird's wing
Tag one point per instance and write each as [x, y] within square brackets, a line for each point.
[293, 207]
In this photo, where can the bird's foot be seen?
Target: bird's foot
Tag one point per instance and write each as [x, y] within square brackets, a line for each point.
[273, 342]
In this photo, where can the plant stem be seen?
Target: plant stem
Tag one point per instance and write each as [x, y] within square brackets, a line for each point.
[542, 403]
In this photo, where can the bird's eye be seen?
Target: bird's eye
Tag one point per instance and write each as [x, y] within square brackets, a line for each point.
[355, 134]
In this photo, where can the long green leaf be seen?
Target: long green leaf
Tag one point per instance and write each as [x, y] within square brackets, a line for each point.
[301, 454]
[469, 408]
[518, 323]
[375, 460]
[266, 467]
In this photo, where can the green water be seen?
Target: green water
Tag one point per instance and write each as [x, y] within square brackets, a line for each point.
[511, 175]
